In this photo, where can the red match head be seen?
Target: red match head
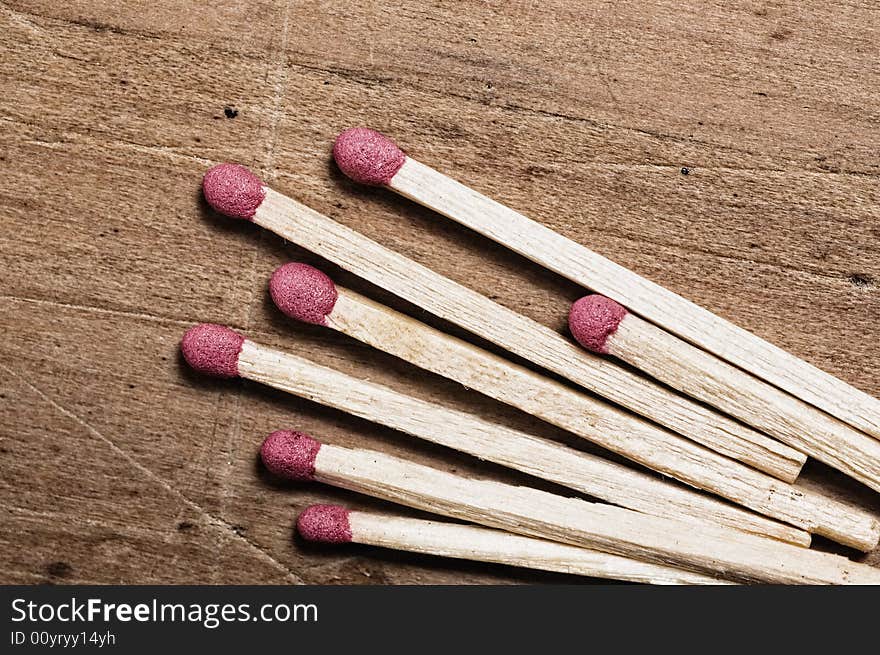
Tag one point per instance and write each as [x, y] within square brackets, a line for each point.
[303, 292]
[290, 454]
[367, 156]
[593, 319]
[325, 523]
[233, 190]
[212, 349]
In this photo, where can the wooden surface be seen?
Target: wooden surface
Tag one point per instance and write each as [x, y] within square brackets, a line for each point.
[119, 465]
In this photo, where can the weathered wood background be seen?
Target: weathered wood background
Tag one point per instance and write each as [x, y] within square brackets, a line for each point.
[728, 150]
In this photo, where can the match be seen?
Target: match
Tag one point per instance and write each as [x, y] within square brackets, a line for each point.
[604, 326]
[234, 191]
[335, 524]
[306, 294]
[708, 549]
[368, 157]
[221, 352]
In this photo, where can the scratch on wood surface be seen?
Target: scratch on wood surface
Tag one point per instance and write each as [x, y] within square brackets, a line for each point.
[280, 88]
[602, 76]
[145, 316]
[233, 437]
[210, 518]
[142, 316]
[269, 170]
[83, 138]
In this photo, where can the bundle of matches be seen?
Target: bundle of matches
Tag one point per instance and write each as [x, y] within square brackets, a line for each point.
[235, 191]
[706, 549]
[335, 524]
[369, 157]
[654, 530]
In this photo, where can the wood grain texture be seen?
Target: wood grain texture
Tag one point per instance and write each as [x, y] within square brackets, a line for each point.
[110, 113]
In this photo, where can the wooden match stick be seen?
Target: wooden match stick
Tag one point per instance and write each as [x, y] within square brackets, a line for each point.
[709, 549]
[235, 191]
[604, 326]
[306, 294]
[335, 524]
[369, 157]
[219, 351]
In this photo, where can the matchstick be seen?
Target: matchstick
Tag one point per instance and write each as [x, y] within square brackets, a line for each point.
[713, 550]
[235, 191]
[306, 294]
[369, 157]
[335, 524]
[219, 351]
[604, 326]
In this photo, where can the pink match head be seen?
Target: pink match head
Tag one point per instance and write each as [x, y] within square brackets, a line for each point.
[212, 349]
[233, 190]
[367, 156]
[593, 319]
[325, 523]
[290, 454]
[303, 292]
